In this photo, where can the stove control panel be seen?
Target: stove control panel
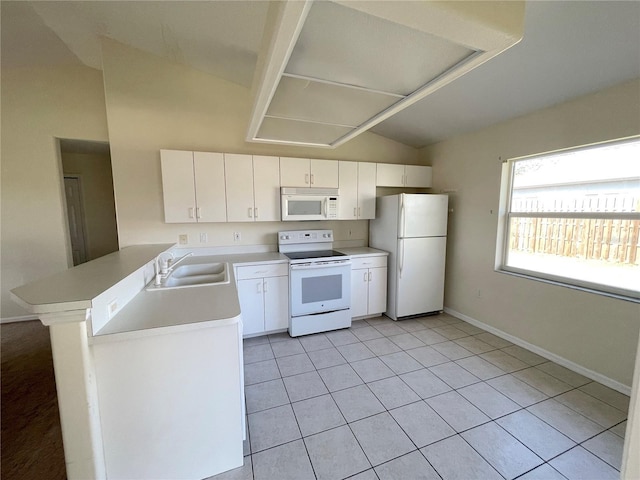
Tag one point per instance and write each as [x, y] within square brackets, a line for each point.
[304, 236]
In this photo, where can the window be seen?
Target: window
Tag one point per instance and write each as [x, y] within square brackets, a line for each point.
[573, 217]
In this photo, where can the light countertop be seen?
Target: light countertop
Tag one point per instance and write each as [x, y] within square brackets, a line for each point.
[177, 307]
[362, 251]
[73, 289]
[171, 309]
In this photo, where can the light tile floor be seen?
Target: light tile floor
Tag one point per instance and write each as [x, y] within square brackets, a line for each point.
[425, 398]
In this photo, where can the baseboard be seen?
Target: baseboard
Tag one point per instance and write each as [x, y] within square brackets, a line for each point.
[598, 377]
[23, 318]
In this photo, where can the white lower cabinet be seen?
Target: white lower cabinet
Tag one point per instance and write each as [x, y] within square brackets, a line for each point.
[263, 291]
[368, 285]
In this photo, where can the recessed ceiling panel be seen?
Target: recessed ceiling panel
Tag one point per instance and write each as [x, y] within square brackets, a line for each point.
[291, 131]
[304, 99]
[344, 45]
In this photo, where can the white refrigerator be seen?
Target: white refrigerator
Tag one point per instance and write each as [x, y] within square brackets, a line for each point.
[413, 229]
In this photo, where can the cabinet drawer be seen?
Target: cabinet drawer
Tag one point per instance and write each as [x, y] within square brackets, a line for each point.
[259, 271]
[368, 262]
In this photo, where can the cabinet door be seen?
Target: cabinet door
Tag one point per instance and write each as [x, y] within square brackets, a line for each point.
[178, 190]
[266, 188]
[389, 175]
[276, 303]
[238, 171]
[418, 176]
[377, 290]
[366, 190]
[324, 173]
[211, 200]
[251, 305]
[294, 172]
[348, 176]
[359, 288]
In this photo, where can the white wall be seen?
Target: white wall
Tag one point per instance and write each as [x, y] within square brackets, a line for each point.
[596, 332]
[153, 104]
[38, 106]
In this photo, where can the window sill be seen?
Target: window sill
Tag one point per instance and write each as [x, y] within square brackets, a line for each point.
[560, 282]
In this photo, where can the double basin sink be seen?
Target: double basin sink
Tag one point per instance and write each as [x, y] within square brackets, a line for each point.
[194, 275]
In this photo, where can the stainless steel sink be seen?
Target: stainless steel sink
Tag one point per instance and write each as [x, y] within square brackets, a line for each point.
[195, 275]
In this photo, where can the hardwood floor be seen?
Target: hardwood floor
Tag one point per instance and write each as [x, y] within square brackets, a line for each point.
[31, 435]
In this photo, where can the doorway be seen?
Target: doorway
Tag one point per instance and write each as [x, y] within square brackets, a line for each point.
[88, 186]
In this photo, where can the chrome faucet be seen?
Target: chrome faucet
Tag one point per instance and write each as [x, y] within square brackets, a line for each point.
[164, 267]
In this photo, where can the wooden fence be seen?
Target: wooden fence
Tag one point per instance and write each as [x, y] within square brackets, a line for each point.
[616, 241]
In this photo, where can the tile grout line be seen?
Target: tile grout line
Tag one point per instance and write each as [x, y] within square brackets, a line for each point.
[386, 410]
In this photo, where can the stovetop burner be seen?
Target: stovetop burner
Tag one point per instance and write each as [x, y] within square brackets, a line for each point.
[314, 254]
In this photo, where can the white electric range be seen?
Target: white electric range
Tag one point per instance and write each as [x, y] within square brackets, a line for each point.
[319, 282]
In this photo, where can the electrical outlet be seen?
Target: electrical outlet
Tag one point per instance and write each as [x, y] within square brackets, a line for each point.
[237, 236]
[112, 308]
[204, 238]
[183, 239]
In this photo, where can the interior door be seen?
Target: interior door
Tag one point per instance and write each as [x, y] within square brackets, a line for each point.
[420, 273]
[423, 215]
[76, 219]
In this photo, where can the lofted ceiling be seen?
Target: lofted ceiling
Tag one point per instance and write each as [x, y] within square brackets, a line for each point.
[570, 48]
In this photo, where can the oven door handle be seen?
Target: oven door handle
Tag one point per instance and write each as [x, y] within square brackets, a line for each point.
[320, 265]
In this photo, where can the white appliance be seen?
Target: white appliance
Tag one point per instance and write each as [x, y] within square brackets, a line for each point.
[309, 203]
[413, 229]
[319, 282]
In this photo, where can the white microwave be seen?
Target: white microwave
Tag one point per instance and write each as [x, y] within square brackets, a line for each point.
[309, 203]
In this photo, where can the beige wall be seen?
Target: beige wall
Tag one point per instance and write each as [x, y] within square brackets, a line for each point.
[153, 104]
[96, 181]
[38, 106]
[596, 332]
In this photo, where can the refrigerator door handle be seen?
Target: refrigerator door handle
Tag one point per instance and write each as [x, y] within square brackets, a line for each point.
[401, 255]
[401, 232]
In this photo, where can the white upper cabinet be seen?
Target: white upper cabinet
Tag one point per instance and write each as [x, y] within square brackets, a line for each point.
[357, 190]
[394, 175]
[366, 190]
[193, 186]
[266, 188]
[305, 172]
[253, 188]
[348, 205]
[417, 176]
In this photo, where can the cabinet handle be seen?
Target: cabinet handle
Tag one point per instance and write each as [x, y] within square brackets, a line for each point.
[259, 285]
[265, 287]
[306, 178]
[359, 212]
[369, 276]
[354, 212]
[249, 212]
[365, 276]
[198, 212]
[255, 212]
[312, 180]
[190, 212]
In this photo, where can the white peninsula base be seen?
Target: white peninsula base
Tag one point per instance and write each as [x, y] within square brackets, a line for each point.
[170, 405]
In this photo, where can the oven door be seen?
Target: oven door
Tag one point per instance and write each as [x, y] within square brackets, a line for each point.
[320, 287]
